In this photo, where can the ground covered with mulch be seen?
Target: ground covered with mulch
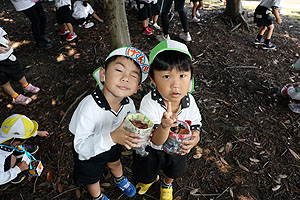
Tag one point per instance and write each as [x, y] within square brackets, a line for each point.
[249, 147]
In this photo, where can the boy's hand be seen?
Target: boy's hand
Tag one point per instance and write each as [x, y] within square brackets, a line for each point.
[278, 20]
[125, 138]
[168, 118]
[188, 145]
[22, 165]
[43, 134]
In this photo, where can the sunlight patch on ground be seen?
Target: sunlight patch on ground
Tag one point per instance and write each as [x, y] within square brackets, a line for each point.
[18, 44]
[60, 58]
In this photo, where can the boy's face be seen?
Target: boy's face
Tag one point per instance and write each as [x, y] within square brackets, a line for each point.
[172, 84]
[122, 78]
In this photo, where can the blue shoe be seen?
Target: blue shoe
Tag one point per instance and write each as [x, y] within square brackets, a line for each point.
[101, 197]
[126, 187]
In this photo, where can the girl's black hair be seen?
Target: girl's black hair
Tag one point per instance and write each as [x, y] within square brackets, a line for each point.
[171, 59]
[111, 59]
[84, 3]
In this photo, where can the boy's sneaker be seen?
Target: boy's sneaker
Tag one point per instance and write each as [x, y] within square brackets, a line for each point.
[87, 25]
[147, 31]
[259, 42]
[143, 188]
[21, 99]
[101, 197]
[32, 149]
[125, 186]
[156, 26]
[171, 16]
[64, 31]
[31, 89]
[71, 37]
[269, 46]
[162, 38]
[195, 20]
[20, 177]
[198, 14]
[185, 36]
[166, 192]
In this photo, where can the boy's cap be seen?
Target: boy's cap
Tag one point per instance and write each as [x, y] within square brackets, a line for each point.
[17, 126]
[168, 45]
[130, 52]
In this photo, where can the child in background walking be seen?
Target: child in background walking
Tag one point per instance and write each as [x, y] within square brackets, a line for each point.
[171, 71]
[10, 69]
[64, 17]
[15, 130]
[144, 13]
[82, 12]
[197, 4]
[97, 123]
[264, 20]
[155, 8]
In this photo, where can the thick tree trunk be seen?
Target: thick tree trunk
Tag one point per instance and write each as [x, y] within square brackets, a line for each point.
[117, 23]
[234, 12]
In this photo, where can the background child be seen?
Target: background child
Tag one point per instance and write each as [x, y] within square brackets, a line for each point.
[264, 20]
[64, 17]
[82, 12]
[155, 8]
[14, 131]
[97, 123]
[197, 4]
[144, 13]
[171, 71]
[10, 69]
[35, 13]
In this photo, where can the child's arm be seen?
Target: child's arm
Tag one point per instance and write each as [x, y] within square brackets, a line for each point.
[125, 138]
[277, 16]
[6, 176]
[43, 133]
[188, 145]
[160, 135]
[97, 18]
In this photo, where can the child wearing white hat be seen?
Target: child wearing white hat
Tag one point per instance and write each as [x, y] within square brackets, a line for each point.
[15, 130]
[97, 123]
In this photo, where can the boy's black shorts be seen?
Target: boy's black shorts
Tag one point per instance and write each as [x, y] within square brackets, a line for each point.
[155, 8]
[145, 11]
[261, 18]
[10, 70]
[145, 169]
[90, 171]
[64, 15]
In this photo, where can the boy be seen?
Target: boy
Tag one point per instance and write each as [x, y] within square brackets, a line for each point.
[97, 123]
[10, 70]
[82, 12]
[171, 71]
[15, 130]
[264, 20]
[64, 17]
[144, 13]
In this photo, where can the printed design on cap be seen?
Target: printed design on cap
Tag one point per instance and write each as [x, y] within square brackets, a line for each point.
[139, 57]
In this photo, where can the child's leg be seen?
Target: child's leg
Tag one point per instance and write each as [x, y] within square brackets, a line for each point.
[94, 189]
[154, 19]
[200, 5]
[166, 189]
[269, 32]
[116, 168]
[70, 27]
[9, 90]
[195, 6]
[168, 180]
[24, 82]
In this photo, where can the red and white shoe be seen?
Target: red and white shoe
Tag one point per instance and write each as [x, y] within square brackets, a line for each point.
[21, 99]
[64, 31]
[147, 31]
[31, 89]
[71, 37]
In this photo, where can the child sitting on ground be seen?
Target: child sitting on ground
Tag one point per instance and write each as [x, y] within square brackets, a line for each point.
[82, 12]
[171, 72]
[264, 20]
[97, 123]
[10, 69]
[15, 130]
[292, 91]
[64, 17]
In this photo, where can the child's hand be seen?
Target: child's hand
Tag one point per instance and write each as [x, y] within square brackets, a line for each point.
[43, 134]
[188, 145]
[100, 20]
[278, 20]
[168, 118]
[22, 165]
[125, 138]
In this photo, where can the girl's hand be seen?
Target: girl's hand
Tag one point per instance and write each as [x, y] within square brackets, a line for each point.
[169, 118]
[43, 134]
[188, 145]
[22, 165]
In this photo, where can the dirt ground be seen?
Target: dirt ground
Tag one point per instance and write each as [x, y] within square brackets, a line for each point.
[249, 147]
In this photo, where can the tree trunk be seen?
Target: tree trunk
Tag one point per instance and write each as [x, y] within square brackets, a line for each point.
[234, 12]
[117, 23]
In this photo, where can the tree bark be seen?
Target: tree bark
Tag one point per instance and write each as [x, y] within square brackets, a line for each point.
[234, 12]
[117, 23]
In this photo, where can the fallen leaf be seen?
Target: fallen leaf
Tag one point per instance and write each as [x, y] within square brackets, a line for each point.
[221, 149]
[254, 160]
[60, 188]
[49, 176]
[228, 147]
[231, 192]
[283, 176]
[197, 156]
[244, 168]
[275, 188]
[127, 153]
[178, 198]
[105, 184]
[294, 154]
[223, 161]
[78, 193]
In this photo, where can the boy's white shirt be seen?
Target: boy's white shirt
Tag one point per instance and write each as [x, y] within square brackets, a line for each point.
[154, 111]
[92, 126]
[21, 5]
[4, 42]
[60, 3]
[80, 11]
[270, 3]
[149, 1]
[6, 176]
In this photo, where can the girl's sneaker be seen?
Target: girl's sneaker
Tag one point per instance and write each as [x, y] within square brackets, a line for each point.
[198, 14]
[156, 26]
[269, 46]
[125, 186]
[21, 99]
[71, 37]
[64, 31]
[31, 89]
[147, 31]
[195, 20]
[87, 25]
[185, 36]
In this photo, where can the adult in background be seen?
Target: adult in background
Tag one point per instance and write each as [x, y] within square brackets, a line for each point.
[34, 11]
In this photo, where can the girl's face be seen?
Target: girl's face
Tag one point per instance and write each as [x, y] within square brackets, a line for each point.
[173, 85]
